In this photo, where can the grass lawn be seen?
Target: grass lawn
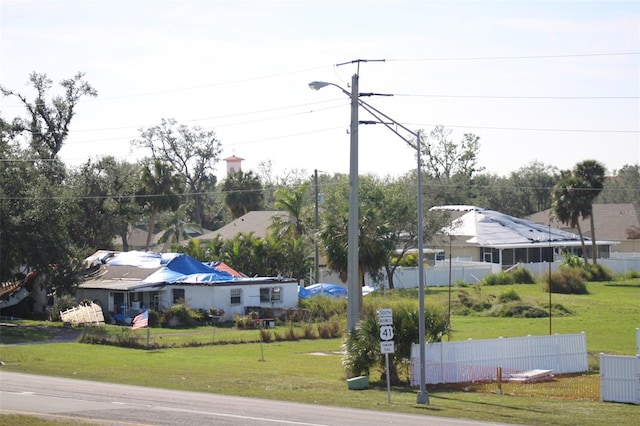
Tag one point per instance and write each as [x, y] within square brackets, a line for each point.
[310, 370]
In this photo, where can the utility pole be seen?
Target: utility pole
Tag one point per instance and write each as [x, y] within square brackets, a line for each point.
[316, 275]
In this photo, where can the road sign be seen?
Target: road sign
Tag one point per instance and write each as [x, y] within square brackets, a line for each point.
[385, 316]
[387, 347]
[386, 332]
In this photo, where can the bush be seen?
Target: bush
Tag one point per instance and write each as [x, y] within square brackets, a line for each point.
[181, 315]
[514, 276]
[62, 303]
[309, 332]
[468, 303]
[508, 296]
[518, 309]
[522, 276]
[330, 329]
[566, 280]
[265, 335]
[323, 307]
[596, 273]
[500, 278]
[629, 275]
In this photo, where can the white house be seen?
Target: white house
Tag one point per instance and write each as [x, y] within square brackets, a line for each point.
[125, 283]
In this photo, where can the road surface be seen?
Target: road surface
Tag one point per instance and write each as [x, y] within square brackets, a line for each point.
[113, 404]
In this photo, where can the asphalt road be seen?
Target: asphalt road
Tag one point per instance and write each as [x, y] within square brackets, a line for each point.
[113, 404]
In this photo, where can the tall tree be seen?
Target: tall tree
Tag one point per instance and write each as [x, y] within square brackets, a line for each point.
[623, 186]
[48, 122]
[160, 192]
[192, 152]
[450, 167]
[591, 172]
[294, 202]
[569, 203]
[122, 185]
[375, 244]
[243, 193]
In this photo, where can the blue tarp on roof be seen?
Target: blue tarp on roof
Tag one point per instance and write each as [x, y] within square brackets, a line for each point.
[178, 267]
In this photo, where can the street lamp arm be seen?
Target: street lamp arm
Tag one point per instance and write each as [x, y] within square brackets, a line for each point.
[317, 85]
[373, 111]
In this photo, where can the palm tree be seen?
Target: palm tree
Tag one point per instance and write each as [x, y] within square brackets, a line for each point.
[569, 203]
[177, 226]
[160, 192]
[244, 193]
[293, 202]
[592, 173]
[375, 242]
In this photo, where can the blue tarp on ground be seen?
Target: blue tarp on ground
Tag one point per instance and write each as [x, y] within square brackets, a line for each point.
[330, 290]
[325, 289]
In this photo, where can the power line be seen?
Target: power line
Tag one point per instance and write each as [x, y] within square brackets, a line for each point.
[503, 58]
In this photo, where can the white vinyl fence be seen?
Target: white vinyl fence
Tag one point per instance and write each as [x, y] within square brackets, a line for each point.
[83, 314]
[478, 360]
[620, 376]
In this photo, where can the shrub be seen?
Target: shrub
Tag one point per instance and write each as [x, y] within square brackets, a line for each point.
[180, 314]
[508, 296]
[265, 335]
[566, 280]
[96, 335]
[630, 275]
[500, 278]
[62, 303]
[522, 276]
[518, 309]
[330, 329]
[323, 307]
[309, 332]
[468, 303]
[597, 273]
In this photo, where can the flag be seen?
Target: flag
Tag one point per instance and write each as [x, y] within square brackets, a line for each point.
[141, 320]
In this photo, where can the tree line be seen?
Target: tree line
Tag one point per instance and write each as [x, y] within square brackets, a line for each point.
[53, 216]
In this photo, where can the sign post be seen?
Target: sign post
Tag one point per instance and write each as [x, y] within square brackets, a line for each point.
[385, 320]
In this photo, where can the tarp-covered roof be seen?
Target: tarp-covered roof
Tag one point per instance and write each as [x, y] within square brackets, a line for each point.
[137, 269]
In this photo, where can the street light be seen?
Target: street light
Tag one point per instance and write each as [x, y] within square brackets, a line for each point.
[353, 287]
[352, 258]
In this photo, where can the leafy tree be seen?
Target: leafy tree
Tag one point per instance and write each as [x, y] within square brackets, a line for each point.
[592, 173]
[243, 193]
[444, 158]
[48, 123]
[570, 203]
[622, 187]
[450, 167]
[192, 152]
[160, 192]
[122, 185]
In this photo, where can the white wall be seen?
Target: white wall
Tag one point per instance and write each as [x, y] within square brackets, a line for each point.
[219, 296]
[472, 360]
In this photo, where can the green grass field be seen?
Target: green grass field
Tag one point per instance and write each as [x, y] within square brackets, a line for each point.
[310, 370]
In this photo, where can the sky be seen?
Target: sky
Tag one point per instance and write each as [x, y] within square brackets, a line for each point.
[547, 81]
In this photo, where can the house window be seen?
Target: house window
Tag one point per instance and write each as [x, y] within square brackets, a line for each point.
[178, 295]
[270, 294]
[236, 296]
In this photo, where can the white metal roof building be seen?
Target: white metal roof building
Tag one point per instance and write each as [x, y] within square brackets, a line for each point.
[491, 236]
